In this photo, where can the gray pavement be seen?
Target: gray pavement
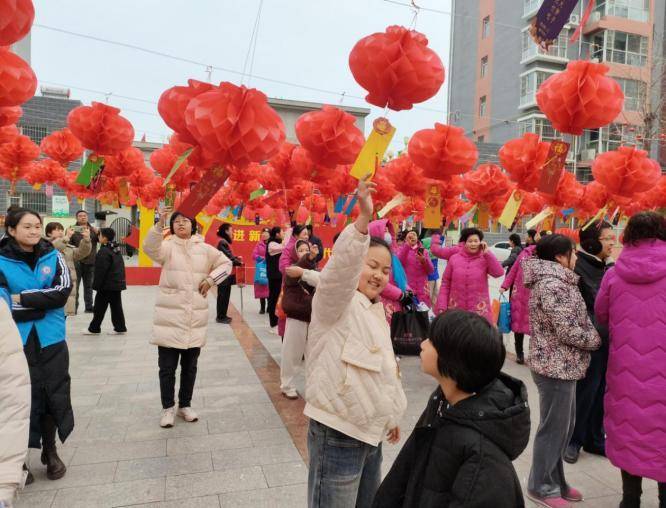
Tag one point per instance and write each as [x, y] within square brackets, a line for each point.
[239, 454]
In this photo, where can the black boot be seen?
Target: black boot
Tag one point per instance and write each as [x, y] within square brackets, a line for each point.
[29, 478]
[262, 310]
[55, 468]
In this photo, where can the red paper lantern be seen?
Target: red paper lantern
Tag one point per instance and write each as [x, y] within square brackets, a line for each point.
[443, 151]
[124, 163]
[656, 197]
[141, 177]
[16, 17]
[532, 203]
[523, 159]
[397, 68]
[406, 177]
[100, 128]
[497, 205]
[19, 151]
[581, 97]
[235, 124]
[173, 101]
[594, 198]
[10, 114]
[17, 80]
[7, 133]
[62, 146]
[330, 136]
[569, 192]
[486, 183]
[45, 171]
[626, 171]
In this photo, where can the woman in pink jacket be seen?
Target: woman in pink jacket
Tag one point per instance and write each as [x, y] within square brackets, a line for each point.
[632, 303]
[258, 255]
[416, 262]
[520, 300]
[465, 281]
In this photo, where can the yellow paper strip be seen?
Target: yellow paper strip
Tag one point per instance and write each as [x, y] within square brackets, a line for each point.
[147, 218]
[432, 215]
[373, 150]
[397, 200]
[205, 222]
[538, 218]
[511, 209]
[598, 216]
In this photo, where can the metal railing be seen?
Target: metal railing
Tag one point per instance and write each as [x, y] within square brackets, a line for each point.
[622, 10]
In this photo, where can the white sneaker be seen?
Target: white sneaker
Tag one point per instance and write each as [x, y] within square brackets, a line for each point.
[168, 416]
[88, 332]
[113, 332]
[187, 414]
[290, 393]
[274, 330]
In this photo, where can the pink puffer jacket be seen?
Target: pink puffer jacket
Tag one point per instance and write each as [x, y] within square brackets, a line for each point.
[465, 282]
[520, 297]
[632, 303]
[417, 271]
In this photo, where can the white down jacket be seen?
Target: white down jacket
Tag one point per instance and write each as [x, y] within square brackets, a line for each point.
[352, 377]
[14, 405]
[181, 313]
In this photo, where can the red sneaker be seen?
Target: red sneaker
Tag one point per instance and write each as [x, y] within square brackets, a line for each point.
[549, 502]
[574, 495]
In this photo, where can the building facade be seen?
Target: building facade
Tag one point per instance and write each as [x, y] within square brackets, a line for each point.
[496, 70]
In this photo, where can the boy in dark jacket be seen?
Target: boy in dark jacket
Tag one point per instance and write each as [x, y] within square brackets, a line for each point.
[475, 424]
[109, 281]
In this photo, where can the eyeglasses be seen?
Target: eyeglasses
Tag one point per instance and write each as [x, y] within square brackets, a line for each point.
[607, 239]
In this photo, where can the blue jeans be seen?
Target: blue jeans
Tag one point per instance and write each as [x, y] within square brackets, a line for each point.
[344, 472]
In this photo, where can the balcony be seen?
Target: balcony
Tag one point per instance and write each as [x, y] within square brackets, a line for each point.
[557, 52]
[635, 10]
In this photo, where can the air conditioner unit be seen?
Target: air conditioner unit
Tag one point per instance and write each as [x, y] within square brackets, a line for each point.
[588, 155]
[574, 19]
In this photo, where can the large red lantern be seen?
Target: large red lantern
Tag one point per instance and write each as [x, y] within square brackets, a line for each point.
[626, 171]
[10, 114]
[173, 102]
[16, 17]
[100, 128]
[17, 80]
[330, 136]
[45, 171]
[532, 203]
[594, 198]
[569, 192]
[486, 183]
[581, 97]
[523, 158]
[397, 68]
[406, 177]
[7, 133]
[124, 163]
[443, 151]
[656, 197]
[62, 146]
[16, 156]
[235, 124]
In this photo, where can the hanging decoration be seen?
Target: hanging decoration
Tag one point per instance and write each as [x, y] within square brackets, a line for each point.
[17, 80]
[626, 171]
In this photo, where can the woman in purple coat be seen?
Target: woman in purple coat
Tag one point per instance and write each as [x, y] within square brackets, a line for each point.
[465, 282]
[416, 262]
[632, 303]
[520, 300]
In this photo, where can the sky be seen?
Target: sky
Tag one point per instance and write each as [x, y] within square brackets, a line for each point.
[302, 42]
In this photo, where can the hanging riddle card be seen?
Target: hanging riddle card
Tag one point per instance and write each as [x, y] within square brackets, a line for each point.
[370, 156]
[432, 215]
[203, 191]
[511, 209]
[554, 166]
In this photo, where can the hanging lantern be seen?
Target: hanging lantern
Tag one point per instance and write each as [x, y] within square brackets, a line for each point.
[626, 171]
[532, 203]
[173, 101]
[442, 152]
[397, 68]
[100, 128]
[235, 124]
[486, 183]
[569, 192]
[581, 97]
[17, 80]
[7, 133]
[45, 171]
[124, 163]
[15, 158]
[16, 17]
[62, 146]
[10, 115]
[523, 158]
[406, 177]
[330, 136]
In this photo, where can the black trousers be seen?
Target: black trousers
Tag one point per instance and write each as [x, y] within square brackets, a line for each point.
[589, 429]
[85, 273]
[632, 490]
[223, 296]
[104, 299]
[262, 303]
[519, 339]
[274, 287]
[167, 359]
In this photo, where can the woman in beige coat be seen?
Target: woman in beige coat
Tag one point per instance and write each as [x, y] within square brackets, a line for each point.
[190, 267]
[14, 404]
[56, 234]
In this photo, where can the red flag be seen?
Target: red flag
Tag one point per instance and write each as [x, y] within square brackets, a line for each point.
[552, 169]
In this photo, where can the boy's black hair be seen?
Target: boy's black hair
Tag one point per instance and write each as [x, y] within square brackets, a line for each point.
[515, 238]
[108, 233]
[644, 226]
[175, 215]
[467, 232]
[469, 349]
[551, 246]
[51, 226]
[589, 236]
[376, 241]
[532, 234]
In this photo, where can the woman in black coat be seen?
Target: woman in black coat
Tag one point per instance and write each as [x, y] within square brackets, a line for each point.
[225, 232]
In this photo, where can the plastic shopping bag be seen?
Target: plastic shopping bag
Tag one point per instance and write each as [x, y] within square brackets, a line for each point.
[504, 318]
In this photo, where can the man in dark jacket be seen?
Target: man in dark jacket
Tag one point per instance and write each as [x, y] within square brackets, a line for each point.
[85, 268]
[109, 282]
[475, 424]
[225, 232]
[594, 258]
[314, 240]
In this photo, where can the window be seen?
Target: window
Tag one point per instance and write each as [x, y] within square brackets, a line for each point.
[636, 10]
[482, 106]
[540, 126]
[620, 47]
[37, 201]
[584, 175]
[484, 66]
[529, 84]
[485, 27]
[530, 6]
[35, 132]
[635, 93]
[611, 137]
[531, 50]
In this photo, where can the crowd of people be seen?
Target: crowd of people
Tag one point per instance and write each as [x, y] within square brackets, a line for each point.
[597, 348]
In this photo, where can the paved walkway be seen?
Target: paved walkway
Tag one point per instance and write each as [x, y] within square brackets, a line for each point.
[247, 450]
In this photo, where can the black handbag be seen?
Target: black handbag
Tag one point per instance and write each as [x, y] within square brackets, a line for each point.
[409, 327]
